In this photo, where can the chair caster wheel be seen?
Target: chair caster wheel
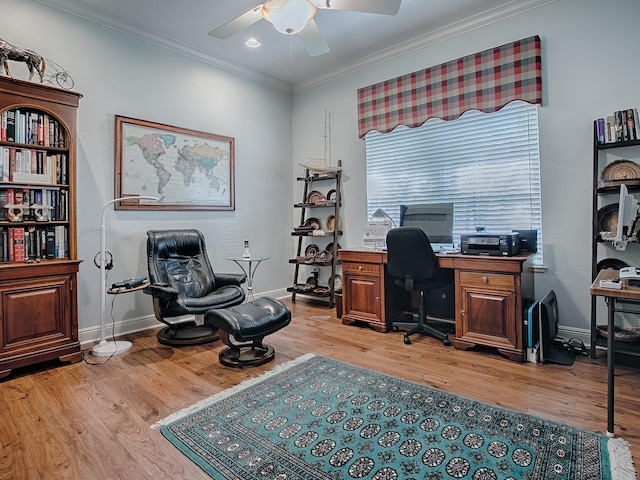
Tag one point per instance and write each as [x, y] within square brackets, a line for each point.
[395, 329]
[446, 342]
[406, 340]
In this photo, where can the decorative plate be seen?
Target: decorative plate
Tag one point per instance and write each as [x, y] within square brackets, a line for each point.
[330, 223]
[332, 195]
[330, 247]
[311, 251]
[621, 170]
[608, 218]
[324, 256]
[337, 283]
[313, 222]
[314, 196]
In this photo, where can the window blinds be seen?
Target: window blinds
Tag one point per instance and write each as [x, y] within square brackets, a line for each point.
[487, 164]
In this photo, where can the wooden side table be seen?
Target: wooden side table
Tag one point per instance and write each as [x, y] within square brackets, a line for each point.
[629, 295]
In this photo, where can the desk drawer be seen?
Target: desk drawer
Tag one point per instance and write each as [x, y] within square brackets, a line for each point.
[358, 267]
[480, 279]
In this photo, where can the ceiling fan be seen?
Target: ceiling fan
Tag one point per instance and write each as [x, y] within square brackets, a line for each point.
[296, 17]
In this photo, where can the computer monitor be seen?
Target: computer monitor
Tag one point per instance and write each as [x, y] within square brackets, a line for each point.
[627, 213]
[434, 219]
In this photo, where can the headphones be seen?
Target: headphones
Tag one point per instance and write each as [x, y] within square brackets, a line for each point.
[107, 256]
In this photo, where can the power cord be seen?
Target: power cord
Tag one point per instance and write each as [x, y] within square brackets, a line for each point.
[574, 344]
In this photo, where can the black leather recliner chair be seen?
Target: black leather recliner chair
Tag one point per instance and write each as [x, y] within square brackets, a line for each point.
[182, 282]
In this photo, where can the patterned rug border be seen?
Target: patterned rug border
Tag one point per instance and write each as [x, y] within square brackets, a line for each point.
[231, 390]
[621, 460]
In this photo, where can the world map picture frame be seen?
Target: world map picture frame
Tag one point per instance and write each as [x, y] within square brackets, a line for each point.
[186, 169]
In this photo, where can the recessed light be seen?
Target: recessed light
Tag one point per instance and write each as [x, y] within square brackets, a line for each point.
[252, 43]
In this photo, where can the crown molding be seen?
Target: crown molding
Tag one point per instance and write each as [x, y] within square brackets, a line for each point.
[514, 8]
[99, 17]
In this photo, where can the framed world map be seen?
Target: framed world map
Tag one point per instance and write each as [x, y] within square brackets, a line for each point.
[186, 169]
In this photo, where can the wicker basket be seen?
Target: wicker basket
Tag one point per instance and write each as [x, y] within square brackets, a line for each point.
[620, 334]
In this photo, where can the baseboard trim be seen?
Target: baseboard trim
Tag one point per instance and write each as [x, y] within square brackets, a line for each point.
[91, 335]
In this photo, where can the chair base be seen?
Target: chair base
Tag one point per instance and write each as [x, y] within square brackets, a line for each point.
[239, 356]
[188, 333]
[426, 330]
[421, 328]
[248, 324]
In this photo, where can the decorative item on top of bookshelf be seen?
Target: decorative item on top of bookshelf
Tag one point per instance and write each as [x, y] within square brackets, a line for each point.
[620, 126]
[34, 61]
[187, 169]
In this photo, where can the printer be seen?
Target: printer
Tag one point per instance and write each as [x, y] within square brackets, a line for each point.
[494, 244]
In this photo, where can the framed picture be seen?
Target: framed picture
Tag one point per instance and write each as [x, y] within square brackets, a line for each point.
[185, 169]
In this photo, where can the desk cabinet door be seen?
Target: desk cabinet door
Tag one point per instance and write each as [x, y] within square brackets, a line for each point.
[363, 301]
[487, 313]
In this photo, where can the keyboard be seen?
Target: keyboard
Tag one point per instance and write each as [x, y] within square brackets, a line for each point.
[444, 248]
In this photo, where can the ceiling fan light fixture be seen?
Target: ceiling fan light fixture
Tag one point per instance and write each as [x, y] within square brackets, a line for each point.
[289, 16]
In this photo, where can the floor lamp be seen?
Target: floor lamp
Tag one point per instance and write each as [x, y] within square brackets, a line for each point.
[104, 348]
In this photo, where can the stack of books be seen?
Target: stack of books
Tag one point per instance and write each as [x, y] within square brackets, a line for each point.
[621, 126]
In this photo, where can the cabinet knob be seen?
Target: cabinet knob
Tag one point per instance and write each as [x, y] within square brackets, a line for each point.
[377, 299]
[360, 267]
[485, 280]
[462, 312]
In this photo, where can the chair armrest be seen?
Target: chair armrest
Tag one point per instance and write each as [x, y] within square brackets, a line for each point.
[161, 290]
[224, 279]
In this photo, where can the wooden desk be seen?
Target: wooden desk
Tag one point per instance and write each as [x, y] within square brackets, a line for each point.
[490, 295]
[626, 295]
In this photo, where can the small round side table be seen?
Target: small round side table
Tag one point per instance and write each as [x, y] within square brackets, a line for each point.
[252, 264]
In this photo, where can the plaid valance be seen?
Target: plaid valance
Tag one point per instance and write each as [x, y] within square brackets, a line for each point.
[484, 81]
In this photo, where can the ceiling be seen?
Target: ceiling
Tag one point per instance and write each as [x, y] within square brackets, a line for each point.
[355, 39]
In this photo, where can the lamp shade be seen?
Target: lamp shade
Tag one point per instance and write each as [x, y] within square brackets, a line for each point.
[289, 16]
[379, 213]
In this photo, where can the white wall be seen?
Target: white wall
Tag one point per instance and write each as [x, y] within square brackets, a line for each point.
[121, 75]
[591, 67]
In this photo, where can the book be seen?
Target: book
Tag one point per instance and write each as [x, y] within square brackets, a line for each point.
[18, 244]
[40, 130]
[631, 124]
[10, 255]
[5, 244]
[3, 202]
[5, 164]
[33, 128]
[50, 242]
[31, 242]
[600, 130]
[618, 126]
[610, 134]
[11, 125]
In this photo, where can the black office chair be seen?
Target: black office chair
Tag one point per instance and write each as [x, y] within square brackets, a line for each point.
[183, 283]
[413, 266]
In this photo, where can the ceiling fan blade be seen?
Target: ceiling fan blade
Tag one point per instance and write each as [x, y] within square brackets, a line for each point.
[384, 7]
[313, 40]
[237, 24]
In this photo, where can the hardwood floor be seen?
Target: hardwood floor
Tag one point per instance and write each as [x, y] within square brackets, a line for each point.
[85, 421]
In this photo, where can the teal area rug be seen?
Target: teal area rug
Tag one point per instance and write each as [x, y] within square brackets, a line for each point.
[318, 418]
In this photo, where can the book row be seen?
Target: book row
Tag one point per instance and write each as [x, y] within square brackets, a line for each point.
[32, 166]
[33, 243]
[31, 127]
[621, 126]
[34, 204]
